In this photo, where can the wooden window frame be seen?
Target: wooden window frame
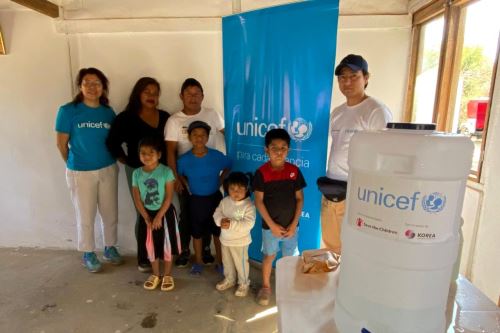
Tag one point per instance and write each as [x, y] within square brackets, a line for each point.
[448, 61]
[2, 45]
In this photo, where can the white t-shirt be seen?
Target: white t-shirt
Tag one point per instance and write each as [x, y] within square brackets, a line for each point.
[178, 123]
[345, 120]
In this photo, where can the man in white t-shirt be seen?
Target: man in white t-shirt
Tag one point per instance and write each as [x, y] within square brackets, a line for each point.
[360, 112]
[177, 142]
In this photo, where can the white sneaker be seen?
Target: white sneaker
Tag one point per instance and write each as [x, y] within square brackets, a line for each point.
[242, 290]
[224, 285]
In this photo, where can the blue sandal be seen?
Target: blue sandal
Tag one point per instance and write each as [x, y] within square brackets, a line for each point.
[196, 270]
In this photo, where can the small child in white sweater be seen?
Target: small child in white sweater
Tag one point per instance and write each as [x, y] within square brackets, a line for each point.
[236, 217]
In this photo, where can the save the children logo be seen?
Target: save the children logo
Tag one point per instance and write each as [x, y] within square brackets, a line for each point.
[299, 129]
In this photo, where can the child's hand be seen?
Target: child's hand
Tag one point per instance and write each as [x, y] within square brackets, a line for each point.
[157, 222]
[225, 223]
[290, 231]
[147, 220]
[277, 230]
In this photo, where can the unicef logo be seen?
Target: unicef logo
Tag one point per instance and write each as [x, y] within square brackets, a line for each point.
[300, 129]
[107, 126]
[434, 202]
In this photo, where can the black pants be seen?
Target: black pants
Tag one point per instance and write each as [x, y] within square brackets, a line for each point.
[201, 214]
[140, 235]
[185, 224]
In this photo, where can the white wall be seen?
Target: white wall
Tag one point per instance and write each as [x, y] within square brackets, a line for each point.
[170, 57]
[34, 80]
[485, 258]
[384, 41]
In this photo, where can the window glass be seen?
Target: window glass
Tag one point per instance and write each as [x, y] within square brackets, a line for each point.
[479, 33]
[431, 37]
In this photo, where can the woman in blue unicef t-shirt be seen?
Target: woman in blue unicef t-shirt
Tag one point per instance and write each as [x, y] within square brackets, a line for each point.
[82, 127]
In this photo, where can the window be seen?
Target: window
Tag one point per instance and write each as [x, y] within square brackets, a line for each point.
[454, 54]
[430, 40]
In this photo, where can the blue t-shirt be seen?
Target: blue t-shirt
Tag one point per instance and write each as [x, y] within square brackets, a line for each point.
[203, 172]
[152, 185]
[88, 129]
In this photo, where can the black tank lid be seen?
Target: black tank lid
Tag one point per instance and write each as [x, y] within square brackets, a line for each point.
[412, 126]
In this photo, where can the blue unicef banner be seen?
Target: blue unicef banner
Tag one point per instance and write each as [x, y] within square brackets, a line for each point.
[278, 73]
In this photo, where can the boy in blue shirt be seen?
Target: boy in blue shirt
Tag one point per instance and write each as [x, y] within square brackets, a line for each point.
[201, 171]
[279, 199]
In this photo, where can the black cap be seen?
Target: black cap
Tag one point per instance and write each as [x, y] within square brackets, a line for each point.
[354, 62]
[199, 124]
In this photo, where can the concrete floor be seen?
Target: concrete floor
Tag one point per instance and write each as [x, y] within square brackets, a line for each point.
[49, 291]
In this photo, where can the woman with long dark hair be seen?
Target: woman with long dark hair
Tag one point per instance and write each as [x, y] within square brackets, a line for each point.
[141, 118]
[82, 127]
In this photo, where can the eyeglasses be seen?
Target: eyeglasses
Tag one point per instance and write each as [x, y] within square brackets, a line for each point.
[89, 84]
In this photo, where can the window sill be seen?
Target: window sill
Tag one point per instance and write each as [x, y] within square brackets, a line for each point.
[474, 185]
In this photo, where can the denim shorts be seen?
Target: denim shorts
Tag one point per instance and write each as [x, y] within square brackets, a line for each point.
[271, 244]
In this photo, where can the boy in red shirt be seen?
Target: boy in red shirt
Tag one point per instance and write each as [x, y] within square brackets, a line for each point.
[279, 199]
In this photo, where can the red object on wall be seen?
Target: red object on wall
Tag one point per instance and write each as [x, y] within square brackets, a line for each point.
[476, 109]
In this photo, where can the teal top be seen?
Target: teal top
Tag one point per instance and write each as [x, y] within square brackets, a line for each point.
[88, 129]
[152, 185]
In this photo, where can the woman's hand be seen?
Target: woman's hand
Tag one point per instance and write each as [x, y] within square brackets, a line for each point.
[62, 144]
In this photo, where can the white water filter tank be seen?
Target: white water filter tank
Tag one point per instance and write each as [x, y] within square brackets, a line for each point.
[400, 234]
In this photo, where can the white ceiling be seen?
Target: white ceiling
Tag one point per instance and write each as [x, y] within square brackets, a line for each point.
[98, 9]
